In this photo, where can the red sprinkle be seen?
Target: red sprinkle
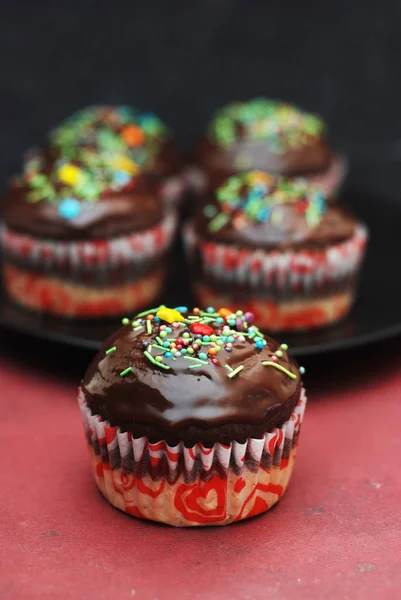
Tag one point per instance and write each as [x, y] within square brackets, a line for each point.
[201, 329]
[274, 358]
[215, 361]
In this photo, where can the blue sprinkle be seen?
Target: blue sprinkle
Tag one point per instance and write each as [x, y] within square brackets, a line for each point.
[257, 339]
[183, 351]
[259, 344]
[169, 330]
[227, 349]
[223, 338]
[264, 215]
[206, 338]
[182, 309]
[219, 320]
[168, 354]
[121, 178]
[302, 370]
[210, 309]
[251, 330]
[156, 319]
[232, 322]
[166, 344]
[202, 356]
[230, 339]
[69, 208]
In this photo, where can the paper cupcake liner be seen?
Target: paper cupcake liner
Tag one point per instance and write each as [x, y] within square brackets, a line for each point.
[77, 258]
[292, 272]
[59, 298]
[191, 486]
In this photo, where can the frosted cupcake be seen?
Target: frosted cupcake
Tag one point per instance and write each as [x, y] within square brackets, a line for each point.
[85, 235]
[123, 131]
[268, 135]
[274, 246]
[192, 417]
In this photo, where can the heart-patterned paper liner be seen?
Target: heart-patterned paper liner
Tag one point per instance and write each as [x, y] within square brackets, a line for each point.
[191, 486]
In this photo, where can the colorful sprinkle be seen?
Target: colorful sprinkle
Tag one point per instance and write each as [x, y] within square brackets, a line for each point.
[236, 371]
[270, 363]
[69, 208]
[125, 372]
[125, 321]
[110, 350]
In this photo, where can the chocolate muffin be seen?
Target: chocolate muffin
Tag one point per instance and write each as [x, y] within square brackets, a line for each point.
[85, 234]
[192, 418]
[268, 135]
[123, 131]
[275, 246]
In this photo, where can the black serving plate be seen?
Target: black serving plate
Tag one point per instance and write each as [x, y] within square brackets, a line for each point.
[375, 316]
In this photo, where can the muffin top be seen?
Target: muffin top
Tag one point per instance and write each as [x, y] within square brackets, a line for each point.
[257, 209]
[193, 376]
[121, 131]
[264, 134]
[90, 196]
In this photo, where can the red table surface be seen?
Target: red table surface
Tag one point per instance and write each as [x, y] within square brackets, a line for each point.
[335, 535]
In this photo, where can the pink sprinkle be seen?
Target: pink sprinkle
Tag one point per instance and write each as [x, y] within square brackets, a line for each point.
[175, 325]
[162, 327]
[229, 345]
[195, 346]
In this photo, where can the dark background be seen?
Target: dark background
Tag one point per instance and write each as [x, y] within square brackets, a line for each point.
[183, 59]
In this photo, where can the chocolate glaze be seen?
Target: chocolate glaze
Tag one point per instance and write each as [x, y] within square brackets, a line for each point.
[190, 405]
[309, 159]
[115, 213]
[336, 225]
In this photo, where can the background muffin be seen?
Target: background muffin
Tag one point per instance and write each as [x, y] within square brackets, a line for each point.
[192, 418]
[123, 131]
[85, 234]
[273, 245]
[267, 135]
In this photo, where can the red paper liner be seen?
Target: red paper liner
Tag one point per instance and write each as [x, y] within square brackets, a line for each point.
[77, 257]
[191, 486]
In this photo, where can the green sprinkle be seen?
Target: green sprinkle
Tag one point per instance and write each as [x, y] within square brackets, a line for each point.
[139, 327]
[194, 366]
[269, 363]
[151, 310]
[125, 372]
[284, 346]
[125, 321]
[228, 368]
[279, 353]
[159, 347]
[236, 371]
[158, 358]
[204, 362]
[110, 350]
[149, 328]
[149, 357]
[218, 222]
[159, 341]
[162, 366]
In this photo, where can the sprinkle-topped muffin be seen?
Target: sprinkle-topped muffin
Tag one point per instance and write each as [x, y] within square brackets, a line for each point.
[274, 245]
[210, 404]
[85, 235]
[272, 136]
[123, 139]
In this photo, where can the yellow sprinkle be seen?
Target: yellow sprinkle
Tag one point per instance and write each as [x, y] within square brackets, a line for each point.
[269, 363]
[69, 174]
[123, 163]
[170, 315]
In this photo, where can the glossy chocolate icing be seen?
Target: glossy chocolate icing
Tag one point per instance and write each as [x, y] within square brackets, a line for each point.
[114, 213]
[191, 405]
[334, 224]
[312, 158]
